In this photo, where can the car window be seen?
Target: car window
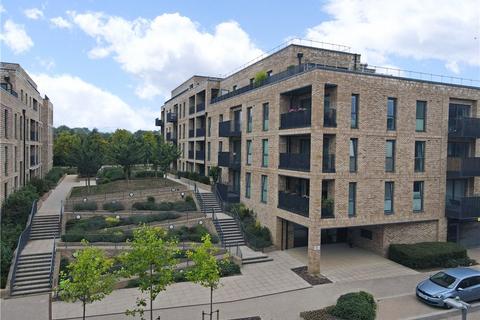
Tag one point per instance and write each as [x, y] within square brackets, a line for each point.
[465, 283]
[443, 279]
[475, 281]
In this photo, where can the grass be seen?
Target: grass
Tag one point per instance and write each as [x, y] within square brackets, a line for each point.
[123, 186]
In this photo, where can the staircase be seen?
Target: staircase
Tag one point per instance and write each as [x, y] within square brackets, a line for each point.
[208, 202]
[45, 227]
[33, 274]
[232, 235]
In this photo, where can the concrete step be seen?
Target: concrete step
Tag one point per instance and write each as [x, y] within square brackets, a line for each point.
[258, 259]
[44, 238]
[32, 258]
[35, 255]
[37, 267]
[40, 276]
[33, 263]
[30, 291]
[29, 283]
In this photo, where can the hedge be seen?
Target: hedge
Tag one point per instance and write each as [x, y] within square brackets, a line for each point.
[355, 306]
[426, 255]
[193, 176]
[147, 174]
[193, 234]
[187, 205]
[85, 206]
[257, 236]
[106, 175]
[113, 206]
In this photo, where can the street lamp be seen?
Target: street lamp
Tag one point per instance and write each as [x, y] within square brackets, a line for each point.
[78, 217]
[182, 195]
[200, 222]
[459, 305]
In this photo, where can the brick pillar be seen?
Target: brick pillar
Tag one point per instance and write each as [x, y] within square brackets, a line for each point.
[314, 250]
[290, 236]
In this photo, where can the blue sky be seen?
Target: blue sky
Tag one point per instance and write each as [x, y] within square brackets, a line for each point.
[110, 64]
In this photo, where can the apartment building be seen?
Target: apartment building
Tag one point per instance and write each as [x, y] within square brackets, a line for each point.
[26, 130]
[328, 150]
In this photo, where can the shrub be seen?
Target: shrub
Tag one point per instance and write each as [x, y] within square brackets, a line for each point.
[106, 175]
[228, 268]
[193, 176]
[260, 77]
[112, 221]
[41, 185]
[181, 206]
[425, 255]
[355, 306]
[150, 199]
[257, 236]
[193, 234]
[85, 206]
[55, 174]
[113, 206]
[145, 174]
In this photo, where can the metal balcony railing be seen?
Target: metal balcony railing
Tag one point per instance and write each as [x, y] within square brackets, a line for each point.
[295, 161]
[200, 132]
[463, 167]
[464, 127]
[294, 203]
[227, 159]
[328, 164]
[467, 208]
[295, 119]
[158, 122]
[227, 129]
[330, 118]
[200, 107]
[171, 117]
[228, 193]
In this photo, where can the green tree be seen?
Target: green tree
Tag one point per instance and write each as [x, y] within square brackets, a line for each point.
[167, 153]
[63, 147]
[88, 278]
[89, 155]
[206, 270]
[125, 150]
[152, 259]
[214, 173]
[149, 146]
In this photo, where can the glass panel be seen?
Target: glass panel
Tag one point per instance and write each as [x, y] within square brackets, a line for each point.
[418, 196]
[419, 156]
[352, 190]
[265, 153]
[388, 205]
[248, 182]
[354, 111]
[249, 119]
[390, 156]
[264, 189]
[266, 116]
[249, 152]
[391, 112]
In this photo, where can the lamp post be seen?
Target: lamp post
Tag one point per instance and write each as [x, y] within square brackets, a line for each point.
[459, 305]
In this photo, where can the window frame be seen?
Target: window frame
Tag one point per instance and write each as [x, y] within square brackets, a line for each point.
[264, 189]
[352, 199]
[265, 116]
[421, 192]
[391, 197]
[353, 143]
[249, 119]
[392, 117]
[424, 116]
[249, 146]
[248, 185]
[354, 110]
[392, 157]
[265, 153]
[419, 161]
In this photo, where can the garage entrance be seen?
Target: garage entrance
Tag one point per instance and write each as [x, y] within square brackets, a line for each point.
[293, 235]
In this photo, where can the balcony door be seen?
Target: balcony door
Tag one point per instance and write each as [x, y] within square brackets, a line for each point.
[237, 120]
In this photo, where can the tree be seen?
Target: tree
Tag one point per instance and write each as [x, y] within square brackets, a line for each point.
[167, 153]
[214, 173]
[206, 270]
[149, 146]
[89, 155]
[152, 259]
[88, 278]
[63, 147]
[125, 150]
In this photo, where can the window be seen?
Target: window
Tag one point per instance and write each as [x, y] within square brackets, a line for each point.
[15, 155]
[352, 196]
[419, 156]
[265, 153]
[266, 117]
[208, 150]
[252, 81]
[269, 73]
[391, 113]
[248, 185]
[354, 112]
[390, 156]
[249, 119]
[6, 161]
[367, 234]
[209, 126]
[353, 154]
[220, 146]
[263, 196]
[234, 88]
[249, 152]
[388, 201]
[15, 126]
[5, 124]
[421, 114]
[220, 118]
[418, 196]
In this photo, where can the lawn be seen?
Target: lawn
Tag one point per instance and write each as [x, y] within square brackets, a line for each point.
[123, 186]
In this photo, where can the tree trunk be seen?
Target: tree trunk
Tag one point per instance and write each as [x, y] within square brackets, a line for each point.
[151, 290]
[83, 310]
[211, 303]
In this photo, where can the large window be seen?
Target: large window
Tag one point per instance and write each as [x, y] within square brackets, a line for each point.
[248, 184]
[266, 116]
[419, 156]
[390, 156]
[5, 124]
[418, 196]
[208, 151]
[388, 200]
[264, 194]
[6, 161]
[352, 198]
[421, 116]
[391, 113]
[265, 153]
[249, 119]
[354, 111]
[209, 127]
[249, 152]
[353, 154]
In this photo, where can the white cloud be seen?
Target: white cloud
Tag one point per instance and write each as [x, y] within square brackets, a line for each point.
[33, 13]
[15, 37]
[2, 9]
[164, 51]
[78, 103]
[61, 23]
[47, 63]
[430, 29]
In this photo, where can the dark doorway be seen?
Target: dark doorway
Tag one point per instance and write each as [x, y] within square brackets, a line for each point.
[337, 235]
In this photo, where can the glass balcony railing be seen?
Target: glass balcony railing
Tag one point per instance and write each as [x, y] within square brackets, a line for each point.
[294, 203]
[467, 208]
[295, 119]
[295, 161]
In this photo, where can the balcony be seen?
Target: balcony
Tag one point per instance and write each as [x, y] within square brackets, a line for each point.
[200, 132]
[191, 109]
[227, 193]
[295, 119]
[226, 129]
[171, 117]
[200, 155]
[330, 118]
[227, 159]
[294, 203]
[464, 128]
[191, 154]
[5, 87]
[327, 210]
[467, 208]
[158, 122]
[295, 161]
[328, 164]
[463, 167]
[201, 107]
[171, 137]
[191, 133]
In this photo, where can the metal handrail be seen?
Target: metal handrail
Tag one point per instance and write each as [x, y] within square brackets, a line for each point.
[52, 262]
[196, 192]
[221, 234]
[22, 241]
